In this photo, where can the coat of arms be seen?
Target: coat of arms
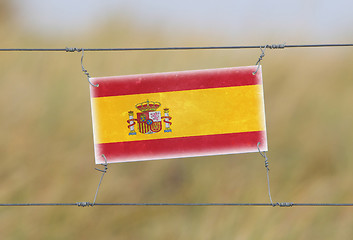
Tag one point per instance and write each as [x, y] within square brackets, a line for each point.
[149, 119]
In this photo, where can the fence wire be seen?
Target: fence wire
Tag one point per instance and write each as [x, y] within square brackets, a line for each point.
[268, 46]
[93, 204]
[88, 204]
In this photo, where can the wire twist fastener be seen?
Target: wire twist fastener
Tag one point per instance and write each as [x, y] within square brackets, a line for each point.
[276, 46]
[68, 49]
[84, 204]
[284, 204]
[273, 46]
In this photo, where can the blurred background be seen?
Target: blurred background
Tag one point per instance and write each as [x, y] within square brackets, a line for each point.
[46, 138]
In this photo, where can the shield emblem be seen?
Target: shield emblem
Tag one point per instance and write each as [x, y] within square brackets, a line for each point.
[149, 122]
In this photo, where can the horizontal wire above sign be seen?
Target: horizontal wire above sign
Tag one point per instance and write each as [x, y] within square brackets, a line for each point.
[271, 46]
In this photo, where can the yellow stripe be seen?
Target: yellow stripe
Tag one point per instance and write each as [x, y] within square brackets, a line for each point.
[194, 113]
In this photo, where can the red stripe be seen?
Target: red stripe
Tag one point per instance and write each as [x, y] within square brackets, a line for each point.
[175, 81]
[181, 147]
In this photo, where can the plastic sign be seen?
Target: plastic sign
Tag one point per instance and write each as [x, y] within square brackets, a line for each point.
[178, 114]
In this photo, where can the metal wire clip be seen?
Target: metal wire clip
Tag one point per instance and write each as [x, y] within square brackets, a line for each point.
[85, 71]
[263, 154]
[105, 164]
[260, 59]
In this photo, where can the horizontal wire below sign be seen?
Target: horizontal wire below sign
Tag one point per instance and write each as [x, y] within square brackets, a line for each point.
[88, 204]
[271, 46]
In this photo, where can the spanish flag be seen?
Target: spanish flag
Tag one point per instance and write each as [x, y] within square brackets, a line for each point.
[178, 114]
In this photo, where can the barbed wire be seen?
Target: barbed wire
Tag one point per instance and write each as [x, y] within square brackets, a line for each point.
[270, 46]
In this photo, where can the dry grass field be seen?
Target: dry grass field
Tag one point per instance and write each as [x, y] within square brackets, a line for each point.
[47, 149]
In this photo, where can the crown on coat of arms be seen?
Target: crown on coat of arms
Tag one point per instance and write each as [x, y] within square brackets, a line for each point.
[148, 106]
